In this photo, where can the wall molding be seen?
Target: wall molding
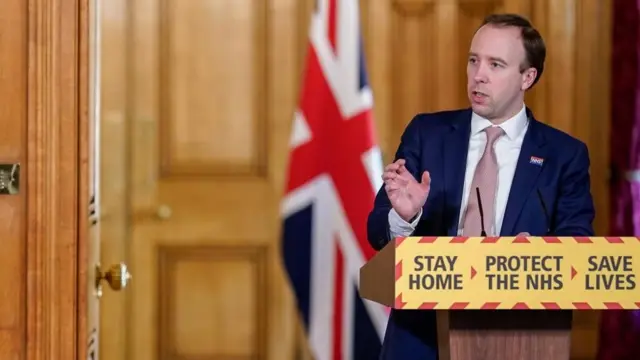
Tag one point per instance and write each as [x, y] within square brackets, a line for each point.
[57, 112]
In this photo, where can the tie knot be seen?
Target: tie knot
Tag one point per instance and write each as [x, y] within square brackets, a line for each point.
[493, 133]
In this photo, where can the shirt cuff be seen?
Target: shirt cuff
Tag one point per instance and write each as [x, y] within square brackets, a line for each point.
[398, 227]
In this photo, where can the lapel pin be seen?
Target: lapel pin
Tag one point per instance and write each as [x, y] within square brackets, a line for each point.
[536, 160]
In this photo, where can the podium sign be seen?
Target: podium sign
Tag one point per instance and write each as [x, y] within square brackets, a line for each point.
[460, 273]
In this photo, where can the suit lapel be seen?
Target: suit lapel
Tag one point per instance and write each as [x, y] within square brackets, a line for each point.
[527, 170]
[455, 148]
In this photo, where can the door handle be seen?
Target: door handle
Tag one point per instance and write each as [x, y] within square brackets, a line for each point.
[159, 213]
[117, 276]
[164, 212]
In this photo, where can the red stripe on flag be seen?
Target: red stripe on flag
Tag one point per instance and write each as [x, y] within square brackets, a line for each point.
[338, 301]
[459, 240]
[332, 24]
[551, 240]
[614, 240]
[582, 240]
[491, 240]
[335, 148]
[521, 240]
[428, 239]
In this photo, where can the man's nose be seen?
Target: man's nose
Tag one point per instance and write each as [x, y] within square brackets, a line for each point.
[480, 77]
[480, 74]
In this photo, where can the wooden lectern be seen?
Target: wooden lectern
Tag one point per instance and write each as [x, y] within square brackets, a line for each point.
[504, 334]
[517, 333]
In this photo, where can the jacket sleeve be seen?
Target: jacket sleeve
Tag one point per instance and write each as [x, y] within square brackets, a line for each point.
[575, 210]
[378, 233]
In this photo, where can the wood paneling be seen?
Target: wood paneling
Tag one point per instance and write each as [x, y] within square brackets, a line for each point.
[42, 111]
[193, 309]
[50, 81]
[196, 126]
[13, 149]
[203, 95]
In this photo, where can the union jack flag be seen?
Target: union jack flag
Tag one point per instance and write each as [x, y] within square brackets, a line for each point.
[335, 169]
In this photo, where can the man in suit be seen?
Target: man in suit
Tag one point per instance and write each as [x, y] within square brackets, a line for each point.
[518, 165]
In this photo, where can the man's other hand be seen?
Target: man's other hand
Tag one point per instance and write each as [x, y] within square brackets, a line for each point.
[406, 194]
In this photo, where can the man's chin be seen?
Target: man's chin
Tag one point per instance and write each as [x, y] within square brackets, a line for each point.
[481, 109]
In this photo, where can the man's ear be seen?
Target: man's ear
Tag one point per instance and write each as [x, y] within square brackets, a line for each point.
[528, 77]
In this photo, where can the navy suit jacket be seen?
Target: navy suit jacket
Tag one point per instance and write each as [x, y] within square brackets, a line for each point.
[438, 143]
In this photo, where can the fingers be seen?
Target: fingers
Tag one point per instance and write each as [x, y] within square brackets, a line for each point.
[426, 178]
[524, 234]
[389, 175]
[396, 176]
[425, 183]
[392, 180]
[393, 170]
[395, 166]
[403, 170]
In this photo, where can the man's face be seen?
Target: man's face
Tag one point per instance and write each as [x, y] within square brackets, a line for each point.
[495, 85]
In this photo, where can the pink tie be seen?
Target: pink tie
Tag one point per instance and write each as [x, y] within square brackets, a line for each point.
[485, 178]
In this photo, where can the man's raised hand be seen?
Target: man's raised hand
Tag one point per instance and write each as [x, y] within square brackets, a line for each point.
[406, 194]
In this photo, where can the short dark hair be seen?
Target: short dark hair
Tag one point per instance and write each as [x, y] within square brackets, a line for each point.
[534, 47]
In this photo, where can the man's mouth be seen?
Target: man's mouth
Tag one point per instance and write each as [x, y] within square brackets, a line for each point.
[478, 93]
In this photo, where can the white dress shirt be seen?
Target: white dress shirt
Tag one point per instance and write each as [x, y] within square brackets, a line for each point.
[507, 149]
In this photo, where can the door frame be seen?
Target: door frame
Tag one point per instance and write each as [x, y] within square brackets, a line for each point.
[56, 178]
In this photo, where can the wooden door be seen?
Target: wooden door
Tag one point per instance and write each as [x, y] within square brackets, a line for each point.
[211, 90]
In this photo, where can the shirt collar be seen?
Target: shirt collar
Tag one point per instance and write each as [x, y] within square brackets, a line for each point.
[512, 127]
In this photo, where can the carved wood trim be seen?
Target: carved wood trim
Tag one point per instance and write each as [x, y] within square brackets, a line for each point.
[84, 197]
[55, 68]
